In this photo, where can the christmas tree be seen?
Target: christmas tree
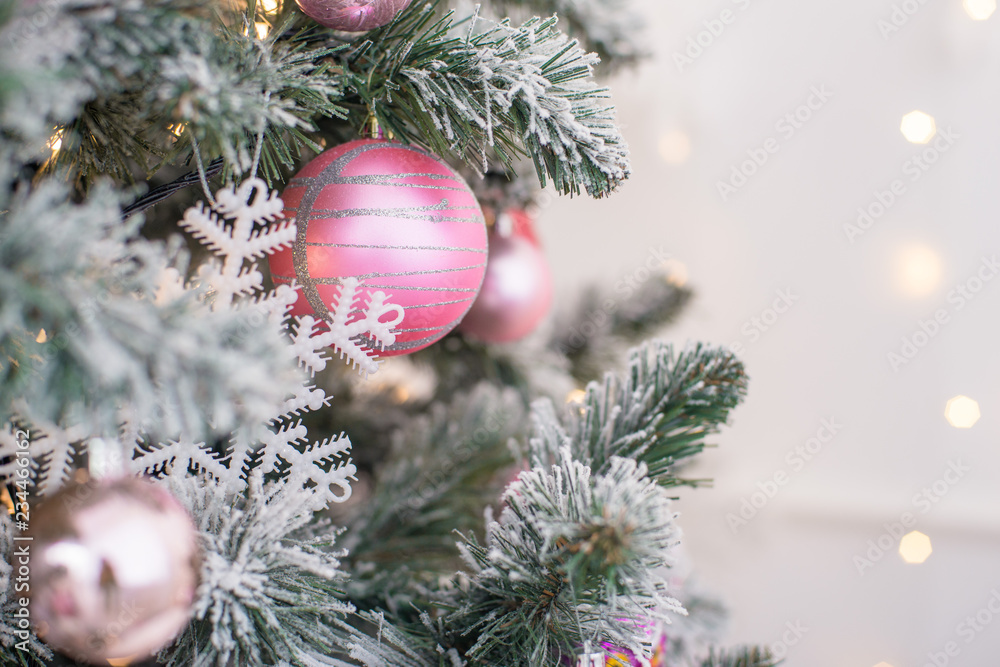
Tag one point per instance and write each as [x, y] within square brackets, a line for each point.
[203, 207]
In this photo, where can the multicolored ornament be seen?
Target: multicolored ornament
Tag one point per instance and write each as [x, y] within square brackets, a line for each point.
[620, 657]
[395, 217]
[517, 291]
[352, 15]
[114, 569]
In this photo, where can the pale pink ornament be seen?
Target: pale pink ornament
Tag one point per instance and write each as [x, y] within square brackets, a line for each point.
[517, 291]
[397, 218]
[114, 569]
[352, 15]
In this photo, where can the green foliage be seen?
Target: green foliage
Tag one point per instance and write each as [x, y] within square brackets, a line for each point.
[742, 657]
[573, 558]
[79, 273]
[658, 412]
[508, 88]
[442, 471]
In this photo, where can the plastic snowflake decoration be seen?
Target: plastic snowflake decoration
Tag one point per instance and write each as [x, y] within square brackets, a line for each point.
[241, 227]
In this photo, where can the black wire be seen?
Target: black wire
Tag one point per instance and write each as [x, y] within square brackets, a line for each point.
[158, 194]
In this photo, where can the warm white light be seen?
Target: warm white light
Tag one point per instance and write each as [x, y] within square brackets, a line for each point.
[962, 412]
[41, 337]
[980, 10]
[675, 147]
[918, 270]
[262, 29]
[676, 272]
[576, 396]
[55, 143]
[918, 127]
[915, 547]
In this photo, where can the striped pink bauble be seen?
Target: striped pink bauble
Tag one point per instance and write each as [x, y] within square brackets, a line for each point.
[395, 217]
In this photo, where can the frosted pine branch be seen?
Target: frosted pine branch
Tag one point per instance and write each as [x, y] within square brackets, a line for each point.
[505, 89]
[268, 595]
[658, 412]
[611, 28]
[573, 558]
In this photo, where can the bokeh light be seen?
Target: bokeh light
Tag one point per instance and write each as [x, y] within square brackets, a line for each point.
[915, 547]
[918, 270]
[675, 147]
[980, 10]
[962, 412]
[918, 127]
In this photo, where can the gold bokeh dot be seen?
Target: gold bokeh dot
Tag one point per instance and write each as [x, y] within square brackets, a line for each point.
[962, 412]
[979, 10]
[918, 127]
[915, 547]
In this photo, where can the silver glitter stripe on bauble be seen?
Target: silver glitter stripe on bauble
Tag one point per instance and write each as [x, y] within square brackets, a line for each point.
[439, 303]
[382, 179]
[409, 345]
[422, 272]
[409, 213]
[413, 288]
[478, 251]
[331, 174]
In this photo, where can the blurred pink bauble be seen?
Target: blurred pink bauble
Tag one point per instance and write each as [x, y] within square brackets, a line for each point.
[114, 570]
[397, 218]
[352, 15]
[517, 291]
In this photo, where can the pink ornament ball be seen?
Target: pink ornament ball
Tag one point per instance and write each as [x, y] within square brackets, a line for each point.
[352, 15]
[517, 291]
[115, 569]
[395, 217]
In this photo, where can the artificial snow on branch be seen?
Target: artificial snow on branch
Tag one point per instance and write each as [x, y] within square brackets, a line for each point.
[658, 412]
[85, 279]
[508, 88]
[242, 226]
[270, 589]
[573, 558]
[611, 28]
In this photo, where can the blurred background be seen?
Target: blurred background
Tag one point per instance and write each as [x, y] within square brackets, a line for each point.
[824, 176]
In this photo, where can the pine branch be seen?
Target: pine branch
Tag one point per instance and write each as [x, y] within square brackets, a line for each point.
[611, 28]
[571, 559]
[148, 76]
[509, 89]
[442, 472]
[77, 272]
[658, 413]
[743, 657]
[269, 593]
[603, 322]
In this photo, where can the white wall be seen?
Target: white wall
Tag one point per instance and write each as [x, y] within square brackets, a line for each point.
[826, 357]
